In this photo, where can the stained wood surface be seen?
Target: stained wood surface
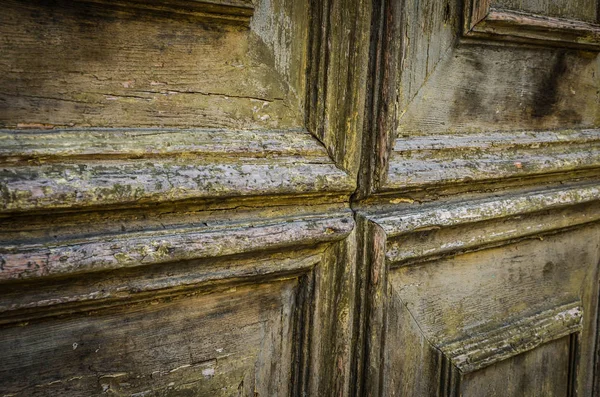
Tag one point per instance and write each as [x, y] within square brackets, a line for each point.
[83, 64]
[125, 167]
[479, 88]
[234, 342]
[418, 161]
[584, 10]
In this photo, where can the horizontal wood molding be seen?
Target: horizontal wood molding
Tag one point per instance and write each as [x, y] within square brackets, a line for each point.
[230, 11]
[108, 252]
[50, 170]
[482, 20]
[489, 346]
[421, 161]
[419, 232]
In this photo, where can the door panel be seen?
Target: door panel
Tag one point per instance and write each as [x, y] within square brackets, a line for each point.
[238, 341]
[486, 318]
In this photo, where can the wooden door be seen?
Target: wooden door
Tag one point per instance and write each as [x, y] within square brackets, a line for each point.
[308, 198]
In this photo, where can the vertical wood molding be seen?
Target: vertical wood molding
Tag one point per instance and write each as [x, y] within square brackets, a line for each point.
[337, 76]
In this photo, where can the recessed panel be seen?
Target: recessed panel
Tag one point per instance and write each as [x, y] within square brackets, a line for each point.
[232, 342]
[513, 308]
[82, 64]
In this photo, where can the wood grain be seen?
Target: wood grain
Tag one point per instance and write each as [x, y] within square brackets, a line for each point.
[86, 64]
[105, 172]
[583, 10]
[237, 341]
[420, 161]
[221, 11]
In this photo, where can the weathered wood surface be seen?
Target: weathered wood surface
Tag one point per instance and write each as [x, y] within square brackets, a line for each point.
[488, 347]
[338, 75]
[236, 342]
[69, 169]
[104, 252]
[432, 82]
[419, 234]
[470, 302]
[413, 218]
[77, 64]
[544, 371]
[572, 24]
[228, 11]
[583, 10]
[419, 161]
[68, 295]
[202, 243]
[479, 89]
[538, 29]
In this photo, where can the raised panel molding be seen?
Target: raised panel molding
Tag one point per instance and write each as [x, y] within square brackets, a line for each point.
[489, 346]
[483, 20]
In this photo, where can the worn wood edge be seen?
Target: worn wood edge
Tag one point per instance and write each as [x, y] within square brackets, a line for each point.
[486, 347]
[428, 245]
[42, 146]
[238, 12]
[519, 26]
[74, 170]
[110, 252]
[446, 214]
[387, 43]
[373, 295]
[68, 296]
[419, 162]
